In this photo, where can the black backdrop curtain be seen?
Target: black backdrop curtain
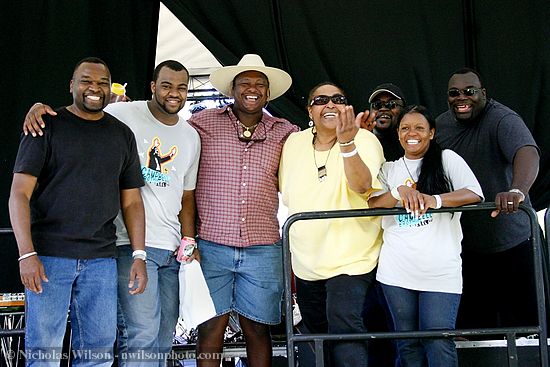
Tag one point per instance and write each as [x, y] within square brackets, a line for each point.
[41, 41]
[417, 45]
[357, 44]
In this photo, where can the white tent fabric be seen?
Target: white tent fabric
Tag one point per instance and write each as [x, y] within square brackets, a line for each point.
[176, 42]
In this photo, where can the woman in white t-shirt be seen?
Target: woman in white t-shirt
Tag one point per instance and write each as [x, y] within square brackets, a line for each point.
[420, 266]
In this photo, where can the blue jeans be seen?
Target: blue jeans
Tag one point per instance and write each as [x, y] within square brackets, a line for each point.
[86, 288]
[147, 321]
[335, 306]
[418, 310]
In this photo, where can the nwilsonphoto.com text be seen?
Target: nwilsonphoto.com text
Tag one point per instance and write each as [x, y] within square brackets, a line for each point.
[97, 355]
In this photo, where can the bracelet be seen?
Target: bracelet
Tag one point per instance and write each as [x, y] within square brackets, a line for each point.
[347, 144]
[437, 201]
[395, 193]
[349, 154]
[139, 254]
[28, 254]
[518, 191]
[188, 240]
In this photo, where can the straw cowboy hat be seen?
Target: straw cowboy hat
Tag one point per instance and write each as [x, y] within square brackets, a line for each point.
[279, 80]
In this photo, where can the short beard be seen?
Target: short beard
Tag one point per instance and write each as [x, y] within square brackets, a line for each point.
[163, 107]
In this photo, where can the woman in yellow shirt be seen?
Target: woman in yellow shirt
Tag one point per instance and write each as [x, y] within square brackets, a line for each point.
[333, 165]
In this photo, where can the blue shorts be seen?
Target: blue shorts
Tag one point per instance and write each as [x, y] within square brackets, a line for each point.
[248, 280]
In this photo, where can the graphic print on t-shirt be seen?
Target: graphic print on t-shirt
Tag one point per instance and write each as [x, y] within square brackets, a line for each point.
[409, 220]
[155, 172]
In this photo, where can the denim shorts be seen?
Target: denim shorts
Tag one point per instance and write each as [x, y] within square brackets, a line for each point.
[247, 280]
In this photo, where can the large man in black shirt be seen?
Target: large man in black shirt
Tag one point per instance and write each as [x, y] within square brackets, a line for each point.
[68, 187]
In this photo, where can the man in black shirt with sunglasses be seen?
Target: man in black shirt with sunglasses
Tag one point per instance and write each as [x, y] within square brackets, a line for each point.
[387, 100]
[496, 250]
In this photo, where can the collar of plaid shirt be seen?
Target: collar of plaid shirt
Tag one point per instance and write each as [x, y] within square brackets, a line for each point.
[237, 185]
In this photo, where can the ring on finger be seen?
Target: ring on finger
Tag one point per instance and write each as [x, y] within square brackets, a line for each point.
[510, 203]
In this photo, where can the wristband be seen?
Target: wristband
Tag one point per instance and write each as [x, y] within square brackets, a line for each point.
[437, 201]
[27, 255]
[139, 254]
[187, 240]
[395, 193]
[518, 191]
[346, 144]
[349, 154]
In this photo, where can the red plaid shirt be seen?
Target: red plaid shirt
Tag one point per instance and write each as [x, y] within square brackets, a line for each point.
[237, 184]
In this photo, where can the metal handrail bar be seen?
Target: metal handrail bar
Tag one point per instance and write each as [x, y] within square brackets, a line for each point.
[417, 334]
[540, 329]
[12, 332]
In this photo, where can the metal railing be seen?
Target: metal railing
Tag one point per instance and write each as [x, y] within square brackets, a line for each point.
[510, 333]
[16, 331]
[11, 330]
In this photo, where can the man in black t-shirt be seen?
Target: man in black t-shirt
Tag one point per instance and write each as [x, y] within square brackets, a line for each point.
[387, 101]
[68, 187]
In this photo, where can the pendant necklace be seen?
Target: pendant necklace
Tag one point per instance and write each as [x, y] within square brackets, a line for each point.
[247, 133]
[413, 182]
[322, 171]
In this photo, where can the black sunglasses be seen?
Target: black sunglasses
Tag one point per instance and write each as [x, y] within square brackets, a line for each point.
[323, 100]
[468, 92]
[389, 105]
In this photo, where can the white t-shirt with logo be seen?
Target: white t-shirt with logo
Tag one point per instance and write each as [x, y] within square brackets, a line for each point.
[423, 253]
[169, 158]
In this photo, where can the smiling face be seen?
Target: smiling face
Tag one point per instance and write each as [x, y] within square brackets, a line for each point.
[170, 90]
[415, 134]
[250, 91]
[466, 108]
[91, 89]
[386, 118]
[325, 116]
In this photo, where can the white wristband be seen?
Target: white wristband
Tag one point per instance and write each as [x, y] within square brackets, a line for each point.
[518, 191]
[395, 193]
[139, 254]
[437, 201]
[349, 154]
[28, 254]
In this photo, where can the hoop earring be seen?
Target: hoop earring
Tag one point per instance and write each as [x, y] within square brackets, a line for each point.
[310, 123]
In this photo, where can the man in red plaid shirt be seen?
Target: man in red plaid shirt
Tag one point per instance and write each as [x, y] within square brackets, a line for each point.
[237, 203]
